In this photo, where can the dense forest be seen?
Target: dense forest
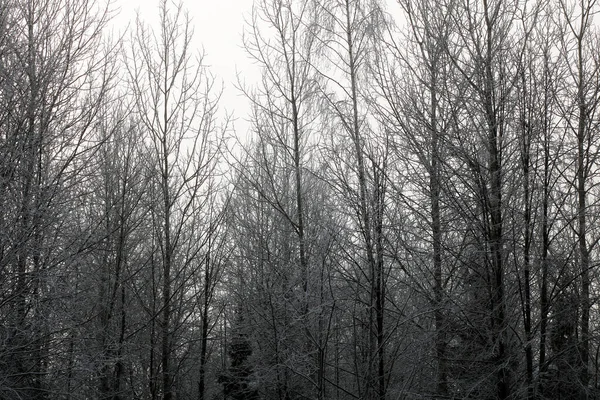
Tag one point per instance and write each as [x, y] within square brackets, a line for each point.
[411, 210]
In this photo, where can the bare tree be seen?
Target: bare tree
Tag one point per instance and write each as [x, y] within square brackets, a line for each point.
[413, 78]
[488, 62]
[281, 40]
[54, 81]
[349, 30]
[117, 218]
[176, 104]
[579, 37]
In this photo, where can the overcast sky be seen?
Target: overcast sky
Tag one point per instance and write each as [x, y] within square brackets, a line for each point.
[218, 26]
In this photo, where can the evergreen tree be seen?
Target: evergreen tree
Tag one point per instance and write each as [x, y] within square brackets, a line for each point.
[237, 379]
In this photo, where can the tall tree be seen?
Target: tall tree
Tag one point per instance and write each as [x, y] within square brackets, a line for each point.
[117, 217]
[489, 60]
[53, 81]
[281, 40]
[412, 78]
[350, 29]
[177, 106]
[578, 38]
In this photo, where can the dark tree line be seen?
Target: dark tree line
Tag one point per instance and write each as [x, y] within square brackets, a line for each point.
[410, 212]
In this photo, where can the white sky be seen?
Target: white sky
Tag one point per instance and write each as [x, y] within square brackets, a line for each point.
[218, 26]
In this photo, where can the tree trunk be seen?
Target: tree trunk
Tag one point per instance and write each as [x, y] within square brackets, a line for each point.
[584, 257]
[375, 388]
[204, 324]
